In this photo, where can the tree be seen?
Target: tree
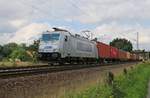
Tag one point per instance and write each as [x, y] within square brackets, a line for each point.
[33, 50]
[1, 48]
[122, 44]
[23, 45]
[1, 55]
[19, 51]
[8, 48]
[34, 46]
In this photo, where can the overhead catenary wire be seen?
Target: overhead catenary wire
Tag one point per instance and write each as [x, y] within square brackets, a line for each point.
[103, 37]
[35, 8]
[124, 35]
[74, 4]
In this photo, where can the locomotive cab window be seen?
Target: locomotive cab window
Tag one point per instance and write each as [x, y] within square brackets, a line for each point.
[50, 37]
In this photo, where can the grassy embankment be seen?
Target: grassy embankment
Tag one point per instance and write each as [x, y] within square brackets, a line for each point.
[15, 64]
[133, 84]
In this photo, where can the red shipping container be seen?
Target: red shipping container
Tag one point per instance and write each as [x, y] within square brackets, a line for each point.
[114, 53]
[103, 50]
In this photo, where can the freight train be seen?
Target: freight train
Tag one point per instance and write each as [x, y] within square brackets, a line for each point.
[62, 47]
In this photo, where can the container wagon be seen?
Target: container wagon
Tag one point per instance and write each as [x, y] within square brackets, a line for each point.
[128, 56]
[114, 53]
[123, 56]
[103, 51]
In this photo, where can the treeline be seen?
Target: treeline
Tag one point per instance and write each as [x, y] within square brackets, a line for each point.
[22, 52]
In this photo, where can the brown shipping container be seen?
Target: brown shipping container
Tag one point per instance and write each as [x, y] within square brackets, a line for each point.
[137, 56]
[103, 50]
[114, 53]
[128, 55]
[132, 56]
[122, 55]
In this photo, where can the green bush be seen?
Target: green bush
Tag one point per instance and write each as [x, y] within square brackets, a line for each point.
[134, 84]
[18, 51]
[20, 54]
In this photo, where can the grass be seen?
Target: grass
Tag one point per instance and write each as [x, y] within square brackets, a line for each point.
[15, 64]
[99, 91]
[134, 84]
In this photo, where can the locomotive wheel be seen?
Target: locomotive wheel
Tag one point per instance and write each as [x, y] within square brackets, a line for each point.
[61, 63]
[50, 64]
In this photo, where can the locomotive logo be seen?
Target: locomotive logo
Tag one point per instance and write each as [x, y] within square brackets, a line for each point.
[47, 47]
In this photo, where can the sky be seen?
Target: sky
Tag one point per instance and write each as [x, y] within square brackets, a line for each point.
[23, 21]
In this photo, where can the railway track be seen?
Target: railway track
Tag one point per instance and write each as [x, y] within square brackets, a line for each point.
[21, 71]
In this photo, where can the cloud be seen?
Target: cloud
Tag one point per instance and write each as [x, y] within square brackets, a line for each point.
[85, 11]
[14, 15]
[28, 33]
[113, 10]
[20, 18]
[4, 37]
[18, 23]
[107, 32]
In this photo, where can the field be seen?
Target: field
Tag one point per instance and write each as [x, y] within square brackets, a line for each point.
[133, 84]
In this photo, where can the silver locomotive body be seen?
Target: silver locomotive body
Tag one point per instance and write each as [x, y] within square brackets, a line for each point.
[64, 47]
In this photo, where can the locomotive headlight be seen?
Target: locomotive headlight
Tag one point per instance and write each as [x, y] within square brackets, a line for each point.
[54, 50]
[54, 55]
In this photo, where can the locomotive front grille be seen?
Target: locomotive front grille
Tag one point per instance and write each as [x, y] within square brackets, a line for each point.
[49, 56]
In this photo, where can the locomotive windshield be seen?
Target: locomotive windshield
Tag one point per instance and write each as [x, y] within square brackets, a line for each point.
[50, 37]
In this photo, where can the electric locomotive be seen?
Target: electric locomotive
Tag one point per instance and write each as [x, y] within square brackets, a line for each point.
[63, 47]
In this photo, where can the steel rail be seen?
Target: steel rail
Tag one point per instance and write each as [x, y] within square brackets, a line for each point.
[11, 72]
